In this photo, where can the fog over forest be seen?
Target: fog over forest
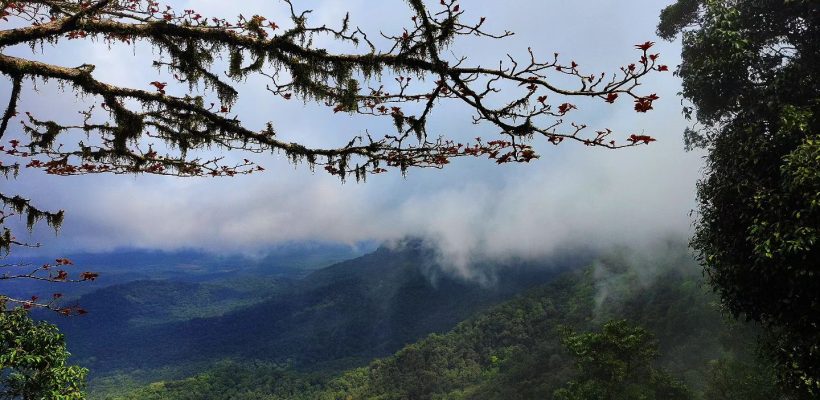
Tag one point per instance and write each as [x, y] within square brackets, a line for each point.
[409, 200]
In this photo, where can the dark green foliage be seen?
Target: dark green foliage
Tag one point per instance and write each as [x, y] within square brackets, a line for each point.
[470, 360]
[231, 381]
[33, 360]
[678, 16]
[515, 352]
[731, 379]
[145, 303]
[345, 315]
[475, 358]
[616, 364]
[750, 69]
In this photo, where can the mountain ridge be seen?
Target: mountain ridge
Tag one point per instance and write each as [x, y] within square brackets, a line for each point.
[353, 310]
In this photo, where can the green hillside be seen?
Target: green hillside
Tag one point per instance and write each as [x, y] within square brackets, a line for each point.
[519, 350]
[335, 318]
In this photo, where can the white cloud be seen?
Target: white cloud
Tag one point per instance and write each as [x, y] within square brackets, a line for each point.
[573, 195]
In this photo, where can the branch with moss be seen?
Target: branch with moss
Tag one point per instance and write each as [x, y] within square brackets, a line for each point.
[402, 78]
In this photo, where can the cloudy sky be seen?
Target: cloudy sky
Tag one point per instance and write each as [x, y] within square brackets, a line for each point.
[472, 208]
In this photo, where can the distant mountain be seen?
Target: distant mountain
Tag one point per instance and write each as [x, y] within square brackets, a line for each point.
[513, 351]
[288, 261]
[345, 314]
[146, 303]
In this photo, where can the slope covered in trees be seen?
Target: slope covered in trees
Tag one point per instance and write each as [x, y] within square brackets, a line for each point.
[521, 349]
[348, 313]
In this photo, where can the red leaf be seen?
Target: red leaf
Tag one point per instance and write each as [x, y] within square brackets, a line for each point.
[644, 46]
[564, 108]
[643, 105]
[640, 138]
[160, 86]
[89, 276]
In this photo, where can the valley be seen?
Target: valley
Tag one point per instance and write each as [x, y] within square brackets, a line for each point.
[394, 323]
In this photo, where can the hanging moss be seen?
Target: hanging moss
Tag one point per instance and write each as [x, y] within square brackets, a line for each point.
[5, 242]
[10, 170]
[17, 203]
[32, 216]
[417, 126]
[55, 220]
[235, 63]
[349, 95]
[398, 121]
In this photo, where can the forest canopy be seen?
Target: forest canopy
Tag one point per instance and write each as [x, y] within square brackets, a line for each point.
[749, 71]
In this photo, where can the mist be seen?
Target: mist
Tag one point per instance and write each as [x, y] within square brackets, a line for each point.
[472, 210]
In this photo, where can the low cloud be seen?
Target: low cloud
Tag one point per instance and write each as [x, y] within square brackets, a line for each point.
[473, 209]
[591, 198]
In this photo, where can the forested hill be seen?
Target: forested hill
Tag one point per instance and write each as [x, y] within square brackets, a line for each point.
[515, 350]
[286, 261]
[345, 314]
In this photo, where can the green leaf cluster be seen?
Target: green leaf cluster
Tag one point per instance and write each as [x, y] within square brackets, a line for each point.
[33, 361]
[616, 364]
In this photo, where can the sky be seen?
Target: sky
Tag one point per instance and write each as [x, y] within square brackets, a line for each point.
[472, 209]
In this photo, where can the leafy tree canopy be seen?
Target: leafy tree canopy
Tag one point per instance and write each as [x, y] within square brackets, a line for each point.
[616, 364]
[750, 71]
[33, 361]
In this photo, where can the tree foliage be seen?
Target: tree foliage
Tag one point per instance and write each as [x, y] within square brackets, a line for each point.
[616, 364]
[33, 360]
[750, 72]
[738, 380]
[514, 351]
